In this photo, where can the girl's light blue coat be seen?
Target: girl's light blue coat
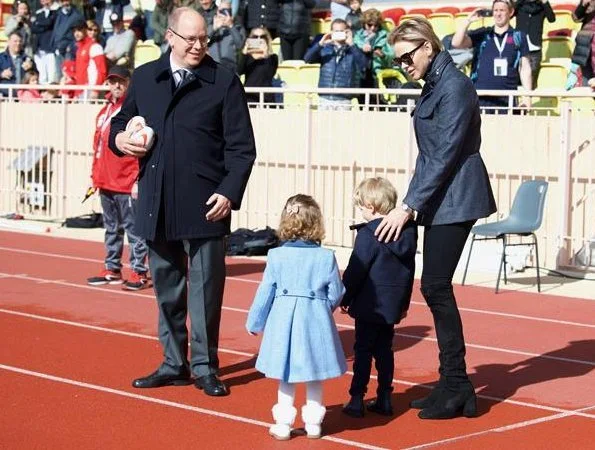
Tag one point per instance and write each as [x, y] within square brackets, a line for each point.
[300, 289]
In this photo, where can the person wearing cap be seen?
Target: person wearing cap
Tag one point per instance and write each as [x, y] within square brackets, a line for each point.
[115, 178]
[119, 48]
[90, 63]
[192, 177]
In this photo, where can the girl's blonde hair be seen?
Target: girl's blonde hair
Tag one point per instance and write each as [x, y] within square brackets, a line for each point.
[301, 218]
[416, 30]
[378, 193]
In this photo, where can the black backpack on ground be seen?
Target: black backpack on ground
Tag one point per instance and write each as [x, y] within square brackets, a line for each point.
[93, 220]
[244, 241]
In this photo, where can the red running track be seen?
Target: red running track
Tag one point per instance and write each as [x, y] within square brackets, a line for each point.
[69, 352]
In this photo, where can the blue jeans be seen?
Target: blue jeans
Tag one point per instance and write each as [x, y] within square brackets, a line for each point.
[118, 218]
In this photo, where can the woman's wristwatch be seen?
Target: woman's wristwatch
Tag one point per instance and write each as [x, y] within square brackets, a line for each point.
[409, 210]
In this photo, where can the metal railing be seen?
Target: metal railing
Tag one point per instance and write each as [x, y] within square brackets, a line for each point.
[46, 155]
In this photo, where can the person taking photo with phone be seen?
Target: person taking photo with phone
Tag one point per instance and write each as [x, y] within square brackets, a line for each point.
[258, 63]
[341, 64]
[501, 55]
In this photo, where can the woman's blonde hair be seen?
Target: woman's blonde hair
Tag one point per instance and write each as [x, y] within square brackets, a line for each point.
[301, 218]
[378, 193]
[372, 15]
[416, 30]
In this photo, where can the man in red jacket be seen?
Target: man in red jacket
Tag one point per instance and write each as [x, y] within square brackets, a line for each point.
[115, 177]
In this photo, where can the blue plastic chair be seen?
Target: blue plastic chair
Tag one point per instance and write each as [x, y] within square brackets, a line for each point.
[524, 219]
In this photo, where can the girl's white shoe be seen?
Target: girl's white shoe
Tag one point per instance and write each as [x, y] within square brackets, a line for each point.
[284, 416]
[312, 415]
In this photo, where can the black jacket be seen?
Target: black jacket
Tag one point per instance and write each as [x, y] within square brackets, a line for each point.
[379, 277]
[257, 13]
[530, 15]
[450, 183]
[295, 17]
[42, 28]
[582, 50]
[204, 145]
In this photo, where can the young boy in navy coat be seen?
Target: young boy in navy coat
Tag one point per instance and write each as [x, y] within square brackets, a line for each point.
[378, 282]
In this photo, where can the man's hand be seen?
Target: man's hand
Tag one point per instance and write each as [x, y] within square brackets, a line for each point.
[367, 48]
[474, 16]
[221, 207]
[129, 146]
[348, 37]
[392, 224]
[6, 73]
[325, 39]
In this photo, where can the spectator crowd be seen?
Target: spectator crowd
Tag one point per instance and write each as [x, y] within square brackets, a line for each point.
[76, 42]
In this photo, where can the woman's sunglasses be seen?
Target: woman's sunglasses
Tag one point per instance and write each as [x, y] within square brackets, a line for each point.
[407, 58]
[259, 36]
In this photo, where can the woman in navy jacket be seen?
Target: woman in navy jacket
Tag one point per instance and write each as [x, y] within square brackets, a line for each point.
[449, 191]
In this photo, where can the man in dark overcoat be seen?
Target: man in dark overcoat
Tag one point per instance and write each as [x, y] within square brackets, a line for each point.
[191, 178]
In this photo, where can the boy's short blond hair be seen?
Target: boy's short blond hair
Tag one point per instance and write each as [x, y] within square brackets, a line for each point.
[377, 193]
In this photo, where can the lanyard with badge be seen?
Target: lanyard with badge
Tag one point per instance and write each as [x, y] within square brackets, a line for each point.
[500, 64]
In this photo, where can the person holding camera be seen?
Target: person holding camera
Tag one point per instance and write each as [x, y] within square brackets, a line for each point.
[341, 64]
[226, 38]
[530, 15]
[501, 54]
[258, 63]
[21, 24]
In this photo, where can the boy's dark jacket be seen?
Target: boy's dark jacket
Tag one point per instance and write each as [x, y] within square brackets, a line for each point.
[379, 277]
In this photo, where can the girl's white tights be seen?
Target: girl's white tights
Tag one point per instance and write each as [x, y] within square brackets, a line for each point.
[286, 393]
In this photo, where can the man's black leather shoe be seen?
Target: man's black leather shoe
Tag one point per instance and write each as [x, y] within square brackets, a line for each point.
[212, 385]
[157, 379]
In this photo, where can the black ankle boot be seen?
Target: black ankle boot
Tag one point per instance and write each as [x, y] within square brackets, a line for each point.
[382, 405]
[355, 407]
[429, 399]
[451, 404]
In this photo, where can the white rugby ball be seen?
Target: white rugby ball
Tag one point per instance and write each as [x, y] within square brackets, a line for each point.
[144, 137]
[136, 123]
[141, 133]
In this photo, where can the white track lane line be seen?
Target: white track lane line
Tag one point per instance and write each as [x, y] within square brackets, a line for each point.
[245, 280]
[250, 355]
[514, 426]
[195, 409]
[23, 276]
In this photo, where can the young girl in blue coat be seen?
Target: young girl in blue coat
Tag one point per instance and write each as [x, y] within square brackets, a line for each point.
[294, 304]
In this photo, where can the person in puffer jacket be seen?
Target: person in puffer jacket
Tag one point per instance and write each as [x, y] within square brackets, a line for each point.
[295, 18]
[341, 64]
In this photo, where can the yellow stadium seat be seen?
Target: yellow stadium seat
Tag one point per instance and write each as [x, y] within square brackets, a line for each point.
[276, 44]
[388, 24]
[144, 53]
[309, 74]
[406, 17]
[316, 26]
[442, 23]
[557, 47]
[551, 76]
[384, 74]
[563, 21]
